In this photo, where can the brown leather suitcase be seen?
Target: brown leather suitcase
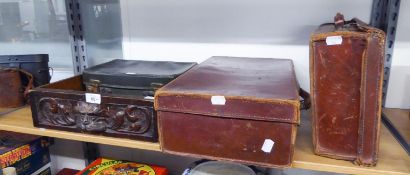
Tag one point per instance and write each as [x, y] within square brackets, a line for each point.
[227, 108]
[346, 70]
[12, 91]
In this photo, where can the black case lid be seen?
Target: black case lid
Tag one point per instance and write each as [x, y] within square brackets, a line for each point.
[135, 74]
[33, 58]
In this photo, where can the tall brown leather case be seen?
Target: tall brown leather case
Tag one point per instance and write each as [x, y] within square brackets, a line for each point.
[346, 71]
[227, 108]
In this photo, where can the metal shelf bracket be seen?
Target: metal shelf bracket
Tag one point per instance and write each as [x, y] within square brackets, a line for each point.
[75, 28]
[385, 14]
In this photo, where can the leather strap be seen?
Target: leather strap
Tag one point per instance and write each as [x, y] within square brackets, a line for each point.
[30, 78]
[305, 103]
[340, 22]
[30, 82]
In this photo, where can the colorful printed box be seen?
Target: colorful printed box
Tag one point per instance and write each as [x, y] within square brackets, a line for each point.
[27, 153]
[104, 166]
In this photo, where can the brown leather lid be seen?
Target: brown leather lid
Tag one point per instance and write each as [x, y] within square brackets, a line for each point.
[254, 88]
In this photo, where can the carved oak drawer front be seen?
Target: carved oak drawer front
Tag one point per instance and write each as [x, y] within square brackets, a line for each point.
[123, 120]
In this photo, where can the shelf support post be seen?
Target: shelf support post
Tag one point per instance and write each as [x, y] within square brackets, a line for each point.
[385, 14]
[75, 28]
[91, 152]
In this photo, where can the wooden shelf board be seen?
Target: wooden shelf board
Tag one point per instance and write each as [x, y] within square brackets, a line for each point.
[401, 121]
[392, 158]
[21, 121]
[5, 110]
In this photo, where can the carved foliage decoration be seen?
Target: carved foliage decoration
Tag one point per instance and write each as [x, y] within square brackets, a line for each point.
[94, 117]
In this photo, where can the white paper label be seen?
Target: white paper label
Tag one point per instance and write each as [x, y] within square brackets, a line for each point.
[267, 145]
[334, 40]
[93, 98]
[218, 100]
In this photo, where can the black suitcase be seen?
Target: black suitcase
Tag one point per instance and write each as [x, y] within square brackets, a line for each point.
[35, 64]
[132, 77]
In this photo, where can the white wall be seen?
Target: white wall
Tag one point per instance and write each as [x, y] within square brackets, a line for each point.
[194, 30]
[59, 74]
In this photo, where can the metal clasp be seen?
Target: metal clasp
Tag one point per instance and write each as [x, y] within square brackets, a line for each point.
[94, 86]
[156, 86]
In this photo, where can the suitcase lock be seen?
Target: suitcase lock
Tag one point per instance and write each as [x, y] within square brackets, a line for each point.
[94, 86]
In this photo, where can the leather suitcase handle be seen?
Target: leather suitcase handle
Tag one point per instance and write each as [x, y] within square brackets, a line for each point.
[339, 21]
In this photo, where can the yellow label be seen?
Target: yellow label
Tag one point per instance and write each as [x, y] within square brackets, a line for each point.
[14, 156]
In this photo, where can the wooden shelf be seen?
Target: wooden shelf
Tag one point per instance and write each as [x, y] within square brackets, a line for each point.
[392, 158]
[5, 110]
[401, 120]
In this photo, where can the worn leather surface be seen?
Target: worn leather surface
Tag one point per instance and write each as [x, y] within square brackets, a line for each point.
[62, 105]
[226, 138]
[346, 84]
[262, 102]
[11, 88]
[256, 88]
[133, 77]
